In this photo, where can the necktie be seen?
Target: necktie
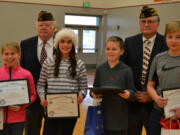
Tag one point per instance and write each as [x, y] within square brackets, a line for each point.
[43, 53]
[146, 58]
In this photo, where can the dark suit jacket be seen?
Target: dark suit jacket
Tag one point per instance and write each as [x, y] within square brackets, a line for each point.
[133, 57]
[29, 60]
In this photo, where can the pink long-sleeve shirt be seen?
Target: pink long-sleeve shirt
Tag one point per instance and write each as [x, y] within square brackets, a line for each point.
[18, 73]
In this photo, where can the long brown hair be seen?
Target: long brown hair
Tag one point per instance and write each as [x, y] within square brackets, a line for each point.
[72, 67]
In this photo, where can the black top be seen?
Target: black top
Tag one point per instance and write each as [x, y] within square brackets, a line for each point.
[115, 108]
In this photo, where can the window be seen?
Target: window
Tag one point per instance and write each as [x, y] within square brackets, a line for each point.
[89, 41]
[86, 27]
[81, 20]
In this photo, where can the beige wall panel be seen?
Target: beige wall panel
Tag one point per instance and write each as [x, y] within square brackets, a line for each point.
[77, 3]
[128, 19]
[126, 3]
[95, 3]
[18, 20]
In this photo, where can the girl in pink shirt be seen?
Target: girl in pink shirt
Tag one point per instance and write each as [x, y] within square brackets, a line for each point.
[14, 116]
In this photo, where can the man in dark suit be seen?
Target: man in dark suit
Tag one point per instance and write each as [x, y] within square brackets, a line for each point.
[139, 60]
[31, 56]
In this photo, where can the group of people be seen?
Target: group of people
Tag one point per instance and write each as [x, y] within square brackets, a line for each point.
[143, 66]
[49, 63]
[138, 66]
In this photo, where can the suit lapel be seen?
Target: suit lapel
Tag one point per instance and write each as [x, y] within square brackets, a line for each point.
[34, 49]
[156, 47]
[139, 49]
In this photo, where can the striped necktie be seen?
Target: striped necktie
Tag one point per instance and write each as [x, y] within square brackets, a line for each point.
[146, 58]
[43, 53]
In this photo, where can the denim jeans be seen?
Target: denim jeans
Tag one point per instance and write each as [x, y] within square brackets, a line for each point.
[154, 122]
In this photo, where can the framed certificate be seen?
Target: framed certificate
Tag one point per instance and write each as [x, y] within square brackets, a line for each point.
[14, 92]
[173, 100]
[62, 105]
[106, 91]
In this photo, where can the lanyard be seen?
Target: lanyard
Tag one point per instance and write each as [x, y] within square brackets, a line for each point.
[10, 73]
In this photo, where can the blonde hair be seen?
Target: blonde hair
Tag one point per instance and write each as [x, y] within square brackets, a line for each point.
[12, 45]
[172, 26]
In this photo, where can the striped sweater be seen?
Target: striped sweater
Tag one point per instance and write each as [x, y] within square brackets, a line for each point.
[64, 82]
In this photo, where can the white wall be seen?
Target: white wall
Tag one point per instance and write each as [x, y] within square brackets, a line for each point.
[127, 3]
[18, 20]
[128, 19]
[96, 3]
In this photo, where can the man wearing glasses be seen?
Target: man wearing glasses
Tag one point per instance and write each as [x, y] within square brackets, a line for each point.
[139, 52]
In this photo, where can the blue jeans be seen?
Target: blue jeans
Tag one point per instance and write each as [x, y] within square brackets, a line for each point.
[13, 129]
[154, 122]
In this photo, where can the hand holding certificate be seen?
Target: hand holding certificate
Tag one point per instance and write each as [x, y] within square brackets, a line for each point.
[173, 97]
[14, 92]
[106, 91]
[62, 105]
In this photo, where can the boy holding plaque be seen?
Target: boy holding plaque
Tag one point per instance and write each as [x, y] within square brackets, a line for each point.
[14, 116]
[165, 74]
[115, 74]
[65, 74]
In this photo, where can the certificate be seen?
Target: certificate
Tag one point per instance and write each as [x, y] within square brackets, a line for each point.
[106, 91]
[61, 105]
[173, 100]
[14, 92]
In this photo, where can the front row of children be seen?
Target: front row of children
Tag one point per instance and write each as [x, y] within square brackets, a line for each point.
[113, 73]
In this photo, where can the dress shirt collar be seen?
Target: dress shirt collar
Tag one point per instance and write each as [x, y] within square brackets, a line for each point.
[49, 42]
[152, 39]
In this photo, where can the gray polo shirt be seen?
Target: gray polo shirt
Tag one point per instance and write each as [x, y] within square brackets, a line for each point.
[166, 70]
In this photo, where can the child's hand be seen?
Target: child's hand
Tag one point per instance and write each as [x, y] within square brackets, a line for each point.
[44, 103]
[125, 95]
[176, 112]
[14, 108]
[96, 95]
[161, 102]
[80, 98]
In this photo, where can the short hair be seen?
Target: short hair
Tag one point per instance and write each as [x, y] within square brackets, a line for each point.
[116, 39]
[66, 32]
[11, 45]
[172, 26]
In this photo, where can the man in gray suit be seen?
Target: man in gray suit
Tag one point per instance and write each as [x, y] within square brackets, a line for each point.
[31, 60]
[137, 57]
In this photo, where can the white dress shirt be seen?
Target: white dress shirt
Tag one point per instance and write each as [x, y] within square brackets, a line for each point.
[152, 40]
[48, 47]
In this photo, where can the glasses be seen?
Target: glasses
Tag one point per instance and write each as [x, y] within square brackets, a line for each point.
[147, 21]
